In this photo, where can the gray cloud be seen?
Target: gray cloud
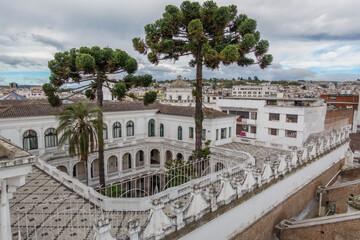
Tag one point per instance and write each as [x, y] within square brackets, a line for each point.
[48, 41]
[19, 61]
[28, 29]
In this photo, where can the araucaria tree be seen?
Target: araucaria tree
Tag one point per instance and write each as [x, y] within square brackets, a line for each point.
[211, 35]
[89, 67]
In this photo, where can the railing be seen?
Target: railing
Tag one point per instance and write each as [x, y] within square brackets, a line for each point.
[173, 174]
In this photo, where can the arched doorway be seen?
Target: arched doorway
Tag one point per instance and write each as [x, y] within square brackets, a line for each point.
[168, 156]
[155, 156]
[94, 171]
[112, 164]
[79, 171]
[179, 156]
[126, 161]
[140, 158]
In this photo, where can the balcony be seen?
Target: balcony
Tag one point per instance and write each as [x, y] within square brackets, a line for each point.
[246, 120]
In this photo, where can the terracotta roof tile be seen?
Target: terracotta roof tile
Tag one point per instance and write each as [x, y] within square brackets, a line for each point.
[31, 108]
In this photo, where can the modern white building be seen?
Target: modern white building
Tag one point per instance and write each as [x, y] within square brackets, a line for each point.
[255, 91]
[276, 120]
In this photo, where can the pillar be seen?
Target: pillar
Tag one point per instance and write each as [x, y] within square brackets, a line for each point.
[4, 214]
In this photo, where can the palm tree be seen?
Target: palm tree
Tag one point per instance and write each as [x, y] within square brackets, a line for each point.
[79, 124]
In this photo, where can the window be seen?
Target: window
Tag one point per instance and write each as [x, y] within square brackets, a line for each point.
[161, 130]
[116, 130]
[243, 114]
[252, 129]
[274, 116]
[179, 133]
[151, 128]
[291, 118]
[191, 132]
[271, 102]
[254, 115]
[203, 134]
[30, 140]
[229, 131]
[217, 134]
[273, 131]
[290, 134]
[51, 138]
[223, 133]
[232, 112]
[105, 133]
[242, 128]
[129, 128]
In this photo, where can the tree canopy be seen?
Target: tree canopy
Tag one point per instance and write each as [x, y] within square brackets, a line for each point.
[212, 35]
[92, 65]
[222, 35]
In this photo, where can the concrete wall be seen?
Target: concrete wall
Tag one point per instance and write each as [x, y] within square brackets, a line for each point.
[255, 218]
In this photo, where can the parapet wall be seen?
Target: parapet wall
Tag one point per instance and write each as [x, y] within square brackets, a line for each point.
[256, 217]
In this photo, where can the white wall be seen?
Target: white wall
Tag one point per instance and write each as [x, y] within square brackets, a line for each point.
[311, 119]
[242, 216]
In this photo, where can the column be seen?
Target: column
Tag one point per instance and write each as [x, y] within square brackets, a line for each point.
[5, 214]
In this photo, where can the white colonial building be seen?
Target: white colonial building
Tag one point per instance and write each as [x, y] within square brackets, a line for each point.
[179, 93]
[136, 136]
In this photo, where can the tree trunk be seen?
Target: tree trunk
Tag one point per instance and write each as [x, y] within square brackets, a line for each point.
[100, 132]
[198, 106]
[86, 172]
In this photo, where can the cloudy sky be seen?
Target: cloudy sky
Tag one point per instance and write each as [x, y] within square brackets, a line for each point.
[314, 40]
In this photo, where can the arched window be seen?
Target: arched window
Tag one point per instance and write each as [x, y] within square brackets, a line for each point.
[161, 130]
[30, 141]
[105, 132]
[129, 128]
[117, 130]
[51, 138]
[179, 133]
[151, 128]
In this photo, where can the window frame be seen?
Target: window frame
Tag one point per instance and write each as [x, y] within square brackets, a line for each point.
[50, 138]
[130, 129]
[179, 135]
[116, 130]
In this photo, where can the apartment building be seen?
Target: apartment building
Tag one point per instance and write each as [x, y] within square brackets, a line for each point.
[255, 91]
[284, 121]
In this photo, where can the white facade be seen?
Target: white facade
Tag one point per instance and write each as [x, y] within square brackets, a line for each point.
[255, 91]
[166, 139]
[279, 121]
